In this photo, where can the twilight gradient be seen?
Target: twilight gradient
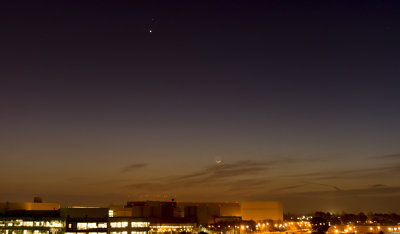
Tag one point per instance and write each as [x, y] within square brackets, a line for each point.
[300, 100]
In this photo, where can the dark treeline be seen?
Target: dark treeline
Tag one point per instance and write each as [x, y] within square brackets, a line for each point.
[349, 218]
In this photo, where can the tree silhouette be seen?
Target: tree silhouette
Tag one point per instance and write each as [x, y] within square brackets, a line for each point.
[319, 225]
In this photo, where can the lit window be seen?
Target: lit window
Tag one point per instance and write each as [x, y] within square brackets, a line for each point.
[28, 223]
[110, 213]
[102, 225]
[92, 225]
[18, 223]
[54, 223]
[119, 224]
[82, 226]
[140, 224]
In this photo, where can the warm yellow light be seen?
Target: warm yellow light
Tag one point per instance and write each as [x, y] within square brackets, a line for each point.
[110, 213]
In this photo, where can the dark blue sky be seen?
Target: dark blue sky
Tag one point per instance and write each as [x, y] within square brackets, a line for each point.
[297, 98]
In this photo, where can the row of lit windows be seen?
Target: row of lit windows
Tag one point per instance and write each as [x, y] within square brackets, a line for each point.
[22, 223]
[140, 224]
[119, 224]
[91, 225]
[84, 226]
[126, 224]
[127, 232]
[175, 226]
[170, 230]
[23, 232]
[86, 233]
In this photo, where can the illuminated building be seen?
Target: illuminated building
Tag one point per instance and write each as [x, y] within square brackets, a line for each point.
[120, 225]
[136, 217]
[261, 210]
[85, 220]
[162, 216]
[32, 225]
[36, 206]
[31, 217]
[165, 209]
[209, 212]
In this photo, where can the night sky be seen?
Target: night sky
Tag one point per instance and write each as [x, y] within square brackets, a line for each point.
[297, 101]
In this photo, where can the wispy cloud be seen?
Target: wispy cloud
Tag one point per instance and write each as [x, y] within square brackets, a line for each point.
[326, 185]
[302, 185]
[133, 167]
[227, 177]
[353, 174]
[145, 185]
[353, 200]
[378, 185]
[360, 192]
[248, 184]
[389, 156]
[237, 169]
[226, 174]
[377, 191]
[228, 170]
[285, 188]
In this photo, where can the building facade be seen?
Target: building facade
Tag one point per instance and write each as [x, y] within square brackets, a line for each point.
[136, 217]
